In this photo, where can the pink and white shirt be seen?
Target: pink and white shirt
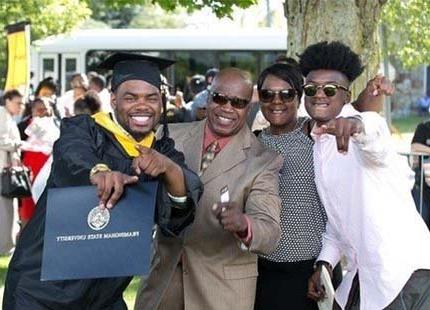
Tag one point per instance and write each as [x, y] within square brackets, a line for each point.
[372, 219]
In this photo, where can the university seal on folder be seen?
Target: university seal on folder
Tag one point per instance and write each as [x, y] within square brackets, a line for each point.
[83, 241]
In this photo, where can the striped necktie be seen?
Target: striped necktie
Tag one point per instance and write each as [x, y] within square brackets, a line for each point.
[209, 155]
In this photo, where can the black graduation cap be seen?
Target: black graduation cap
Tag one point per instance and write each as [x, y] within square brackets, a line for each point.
[129, 66]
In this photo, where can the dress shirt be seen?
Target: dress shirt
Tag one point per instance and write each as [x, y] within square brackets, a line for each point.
[66, 104]
[208, 138]
[372, 219]
[104, 96]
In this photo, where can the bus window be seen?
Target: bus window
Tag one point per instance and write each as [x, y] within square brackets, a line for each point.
[193, 62]
[193, 52]
[94, 58]
[243, 60]
[189, 63]
[48, 67]
[69, 68]
[268, 58]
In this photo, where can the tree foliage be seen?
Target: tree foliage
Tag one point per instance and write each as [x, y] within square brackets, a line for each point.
[353, 22]
[220, 7]
[113, 15]
[153, 16]
[407, 24]
[47, 17]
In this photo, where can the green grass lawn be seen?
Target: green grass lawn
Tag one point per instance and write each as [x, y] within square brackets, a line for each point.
[408, 124]
[129, 294]
[4, 261]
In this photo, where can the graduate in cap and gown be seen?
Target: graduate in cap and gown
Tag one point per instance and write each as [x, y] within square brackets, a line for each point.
[109, 151]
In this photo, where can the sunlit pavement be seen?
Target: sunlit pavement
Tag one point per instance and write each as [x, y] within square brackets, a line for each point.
[402, 141]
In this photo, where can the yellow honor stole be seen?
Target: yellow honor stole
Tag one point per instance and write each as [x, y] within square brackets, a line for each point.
[121, 135]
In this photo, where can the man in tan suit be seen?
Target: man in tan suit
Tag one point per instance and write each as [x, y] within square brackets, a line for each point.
[214, 265]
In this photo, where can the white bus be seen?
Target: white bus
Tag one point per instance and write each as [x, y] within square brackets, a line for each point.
[194, 50]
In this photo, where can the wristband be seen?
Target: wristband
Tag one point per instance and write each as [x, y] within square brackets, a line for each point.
[177, 199]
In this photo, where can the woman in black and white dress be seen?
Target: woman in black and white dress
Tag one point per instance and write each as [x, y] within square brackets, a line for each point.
[283, 275]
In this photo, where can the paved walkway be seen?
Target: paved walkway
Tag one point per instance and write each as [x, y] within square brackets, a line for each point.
[403, 141]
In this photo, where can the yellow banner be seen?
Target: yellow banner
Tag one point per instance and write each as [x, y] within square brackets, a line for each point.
[18, 68]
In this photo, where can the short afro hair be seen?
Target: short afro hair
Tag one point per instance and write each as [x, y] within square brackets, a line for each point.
[287, 71]
[331, 56]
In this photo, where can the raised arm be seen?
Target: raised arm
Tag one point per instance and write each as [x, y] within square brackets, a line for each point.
[179, 189]
[256, 225]
[263, 207]
[421, 140]
[78, 159]
[372, 97]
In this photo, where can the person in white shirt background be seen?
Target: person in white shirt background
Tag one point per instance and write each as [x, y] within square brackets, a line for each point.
[98, 84]
[65, 103]
[10, 143]
[365, 188]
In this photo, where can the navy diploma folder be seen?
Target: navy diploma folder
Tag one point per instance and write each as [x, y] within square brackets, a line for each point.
[83, 241]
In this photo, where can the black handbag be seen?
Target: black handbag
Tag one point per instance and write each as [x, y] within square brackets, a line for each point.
[15, 182]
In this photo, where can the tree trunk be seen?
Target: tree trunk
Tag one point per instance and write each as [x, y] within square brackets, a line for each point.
[354, 22]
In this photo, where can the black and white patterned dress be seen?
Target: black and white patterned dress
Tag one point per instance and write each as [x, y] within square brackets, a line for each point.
[303, 216]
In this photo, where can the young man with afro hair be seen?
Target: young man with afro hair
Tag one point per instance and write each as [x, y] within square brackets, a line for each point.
[364, 186]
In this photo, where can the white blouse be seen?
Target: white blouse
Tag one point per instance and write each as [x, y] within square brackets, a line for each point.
[372, 218]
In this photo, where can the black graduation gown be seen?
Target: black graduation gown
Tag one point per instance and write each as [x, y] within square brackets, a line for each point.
[82, 145]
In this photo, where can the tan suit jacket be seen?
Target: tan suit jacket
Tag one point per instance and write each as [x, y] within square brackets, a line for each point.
[217, 274]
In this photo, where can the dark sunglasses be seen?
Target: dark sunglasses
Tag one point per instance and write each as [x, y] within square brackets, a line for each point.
[329, 90]
[286, 95]
[235, 102]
